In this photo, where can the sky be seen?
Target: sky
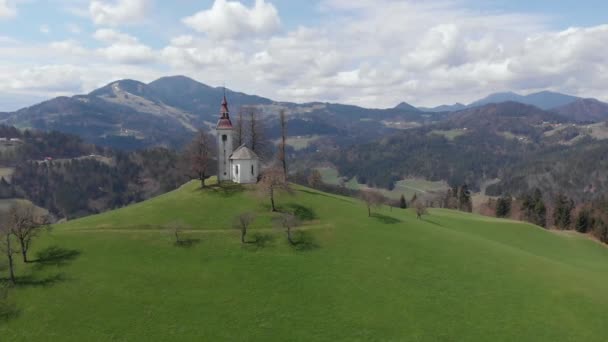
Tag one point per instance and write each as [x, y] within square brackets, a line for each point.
[372, 53]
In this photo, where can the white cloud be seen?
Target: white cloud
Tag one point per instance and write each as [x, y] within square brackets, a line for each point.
[123, 48]
[371, 53]
[44, 29]
[73, 28]
[51, 78]
[7, 9]
[110, 36]
[231, 20]
[118, 12]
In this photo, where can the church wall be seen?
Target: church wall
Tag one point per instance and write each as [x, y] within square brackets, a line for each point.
[244, 175]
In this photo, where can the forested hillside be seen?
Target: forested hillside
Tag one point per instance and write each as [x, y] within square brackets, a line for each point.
[70, 178]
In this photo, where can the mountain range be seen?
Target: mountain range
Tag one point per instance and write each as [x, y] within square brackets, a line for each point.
[577, 108]
[129, 114]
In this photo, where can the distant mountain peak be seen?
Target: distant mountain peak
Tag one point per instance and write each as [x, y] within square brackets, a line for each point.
[406, 106]
[543, 99]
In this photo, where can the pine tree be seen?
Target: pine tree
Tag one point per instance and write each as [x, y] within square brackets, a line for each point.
[402, 202]
[503, 206]
[584, 221]
[562, 214]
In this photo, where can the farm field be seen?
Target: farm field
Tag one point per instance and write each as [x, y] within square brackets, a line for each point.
[407, 187]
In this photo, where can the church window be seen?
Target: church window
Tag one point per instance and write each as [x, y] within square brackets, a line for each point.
[224, 137]
[236, 169]
[252, 169]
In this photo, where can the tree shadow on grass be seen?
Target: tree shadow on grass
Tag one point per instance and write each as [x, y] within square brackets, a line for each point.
[260, 241]
[31, 281]
[56, 256]
[301, 212]
[187, 243]
[225, 189]
[385, 219]
[427, 220]
[304, 241]
[324, 195]
[8, 309]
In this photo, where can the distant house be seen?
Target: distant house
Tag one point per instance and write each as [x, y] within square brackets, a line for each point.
[240, 165]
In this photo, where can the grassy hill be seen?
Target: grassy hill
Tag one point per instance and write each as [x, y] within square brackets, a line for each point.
[391, 277]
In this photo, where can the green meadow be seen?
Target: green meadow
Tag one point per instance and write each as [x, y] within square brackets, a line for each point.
[452, 276]
[405, 187]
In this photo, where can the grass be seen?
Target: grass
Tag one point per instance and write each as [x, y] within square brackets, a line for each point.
[406, 187]
[300, 142]
[7, 172]
[450, 134]
[390, 277]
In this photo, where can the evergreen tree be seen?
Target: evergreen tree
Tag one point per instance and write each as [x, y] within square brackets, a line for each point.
[534, 209]
[402, 202]
[464, 199]
[584, 221]
[562, 214]
[503, 206]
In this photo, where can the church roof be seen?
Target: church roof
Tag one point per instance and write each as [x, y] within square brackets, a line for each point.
[243, 153]
[224, 121]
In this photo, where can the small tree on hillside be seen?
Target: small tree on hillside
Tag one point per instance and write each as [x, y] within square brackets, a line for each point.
[600, 230]
[503, 206]
[402, 202]
[533, 208]
[420, 209]
[414, 199]
[315, 180]
[25, 225]
[372, 199]
[176, 228]
[200, 155]
[257, 133]
[288, 221]
[273, 180]
[562, 213]
[282, 155]
[464, 199]
[242, 223]
[239, 130]
[584, 221]
[7, 246]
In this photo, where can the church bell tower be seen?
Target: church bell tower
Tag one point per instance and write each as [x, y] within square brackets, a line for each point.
[224, 143]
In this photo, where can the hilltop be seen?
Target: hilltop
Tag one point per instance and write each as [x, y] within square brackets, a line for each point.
[456, 276]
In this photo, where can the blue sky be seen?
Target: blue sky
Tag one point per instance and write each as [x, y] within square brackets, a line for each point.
[372, 53]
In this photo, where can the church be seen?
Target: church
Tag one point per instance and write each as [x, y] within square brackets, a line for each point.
[240, 165]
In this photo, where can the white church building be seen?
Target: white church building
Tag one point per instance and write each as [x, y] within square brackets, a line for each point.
[241, 165]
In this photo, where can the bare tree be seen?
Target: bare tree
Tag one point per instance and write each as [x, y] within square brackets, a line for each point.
[315, 179]
[282, 156]
[272, 181]
[25, 225]
[288, 221]
[256, 132]
[372, 199]
[420, 209]
[176, 228]
[7, 246]
[200, 156]
[242, 223]
[239, 129]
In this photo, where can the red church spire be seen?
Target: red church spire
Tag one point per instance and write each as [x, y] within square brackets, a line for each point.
[224, 122]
